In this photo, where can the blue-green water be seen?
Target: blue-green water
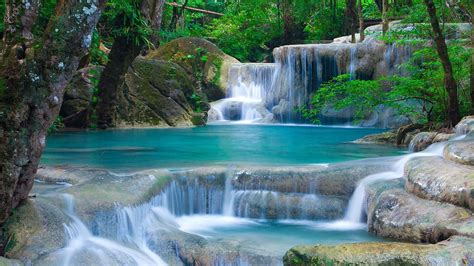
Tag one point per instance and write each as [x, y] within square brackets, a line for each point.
[214, 144]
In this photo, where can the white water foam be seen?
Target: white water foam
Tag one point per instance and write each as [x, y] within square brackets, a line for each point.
[104, 251]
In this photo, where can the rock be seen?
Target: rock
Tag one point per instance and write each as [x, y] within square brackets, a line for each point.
[437, 179]
[202, 60]
[389, 137]
[158, 93]
[455, 251]
[394, 213]
[466, 126]
[8, 262]
[78, 96]
[405, 133]
[35, 228]
[421, 141]
[460, 151]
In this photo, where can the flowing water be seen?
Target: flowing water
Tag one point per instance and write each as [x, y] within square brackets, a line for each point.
[240, 226]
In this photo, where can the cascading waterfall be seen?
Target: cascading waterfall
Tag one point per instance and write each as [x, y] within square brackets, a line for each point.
[355, 210]
[274, 92]
[133, 250]
[247, 86]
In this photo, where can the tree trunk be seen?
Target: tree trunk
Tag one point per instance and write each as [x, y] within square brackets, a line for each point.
[384, 16]
[472, 61]
[361, 21]
[288, 21]
[32, 86]
[122, 54]
[449, 81]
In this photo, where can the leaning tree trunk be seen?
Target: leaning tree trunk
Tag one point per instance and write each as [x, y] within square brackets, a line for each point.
[32, 86]
[449, 82]
[122, 54]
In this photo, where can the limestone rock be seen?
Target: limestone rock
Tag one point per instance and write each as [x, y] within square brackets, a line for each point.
[421, 141]
[394, 213]
[389, 137]
[455, 251]
[460, 151]
[158, 93]
[78, 96]
[437, 179]
[466, 126]
[202, 60]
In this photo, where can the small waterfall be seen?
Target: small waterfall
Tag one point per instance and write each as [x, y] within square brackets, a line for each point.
[85, 248]
[354, 61]
[247, 85]
[355, 210]
[396, 55]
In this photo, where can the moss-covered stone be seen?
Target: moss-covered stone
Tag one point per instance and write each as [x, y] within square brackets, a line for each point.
[158, 93]
[202, 60]
[455, 251]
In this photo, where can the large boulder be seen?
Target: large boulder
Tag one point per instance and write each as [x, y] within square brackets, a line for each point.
[159, 93]
[78, 97]
[202, 60]
[466, 125]
[438, 179]
[460, 151]
[455, 251]
[394, 213]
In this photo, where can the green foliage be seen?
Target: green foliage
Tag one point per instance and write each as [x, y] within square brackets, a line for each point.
[57, 124]
[245, 30]
[122, 18]
[326, 24]
[419, 94]
[2, 13]
[97, 56]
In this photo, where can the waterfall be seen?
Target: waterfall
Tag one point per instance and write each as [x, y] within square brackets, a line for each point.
[355, 210]
[85, 248]
[353, 63]
[247, 85]
[274, 92]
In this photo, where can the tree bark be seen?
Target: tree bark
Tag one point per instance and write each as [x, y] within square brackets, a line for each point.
[361, 22]
[288, 21]
[122, 54]
[384, 16]
[32, 86]
[449, 82]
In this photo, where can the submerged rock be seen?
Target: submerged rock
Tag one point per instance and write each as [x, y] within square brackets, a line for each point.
[454, 251]
[437, 179]
[389, 137]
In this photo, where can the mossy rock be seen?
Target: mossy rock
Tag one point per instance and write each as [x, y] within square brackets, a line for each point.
[202, 60]
[158, 93]
[454, 251]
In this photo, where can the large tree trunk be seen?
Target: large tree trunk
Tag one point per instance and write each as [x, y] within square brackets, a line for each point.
[122, 54]
[449, 81]
[361, 21]
[32, 86]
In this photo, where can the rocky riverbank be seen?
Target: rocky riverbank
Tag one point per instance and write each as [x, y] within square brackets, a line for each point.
[431, 207]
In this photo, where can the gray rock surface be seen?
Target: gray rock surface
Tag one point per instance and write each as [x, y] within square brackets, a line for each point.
[437, 179]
